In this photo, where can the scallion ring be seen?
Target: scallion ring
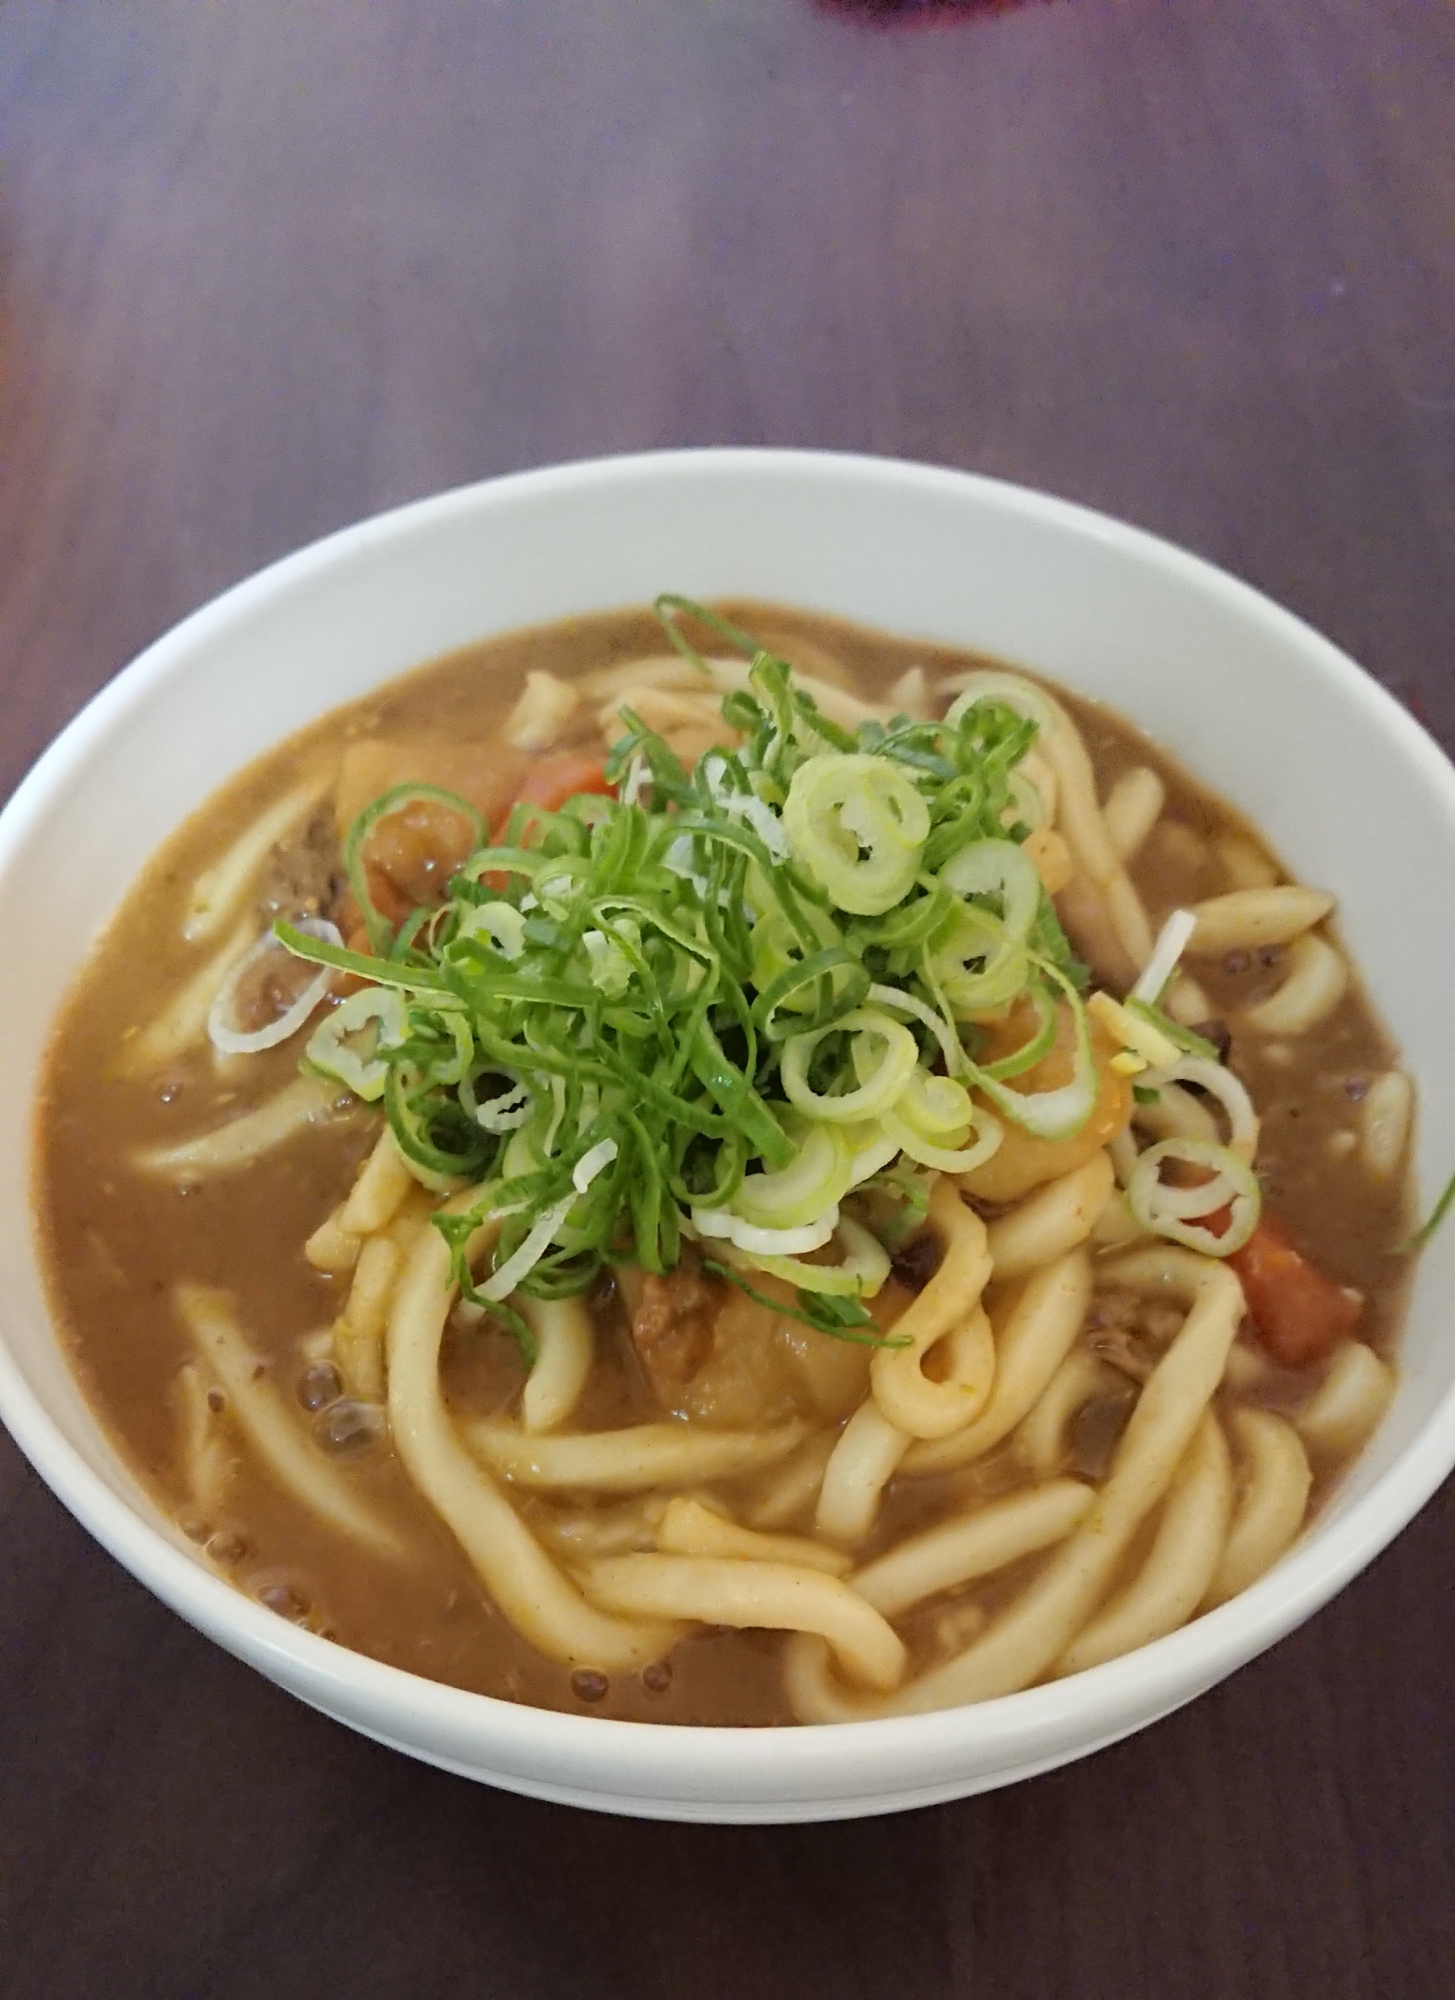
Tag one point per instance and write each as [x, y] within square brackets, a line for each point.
[898, 1001]
[379, 1019]
[886, 1075]
[933, 1106]
[1218, 1082]
[817, 1177]
[1169, 1211]
[1009, 689]
[975, 963]
[720, 1225]
[998, 868]
[947, 1159]
[501, 923]
[1058, 1113]
[874, 1150]
[1038, 1043]
[861, 1274]
[857, 824]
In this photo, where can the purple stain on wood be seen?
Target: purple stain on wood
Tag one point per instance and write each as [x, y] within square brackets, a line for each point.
[921, 13]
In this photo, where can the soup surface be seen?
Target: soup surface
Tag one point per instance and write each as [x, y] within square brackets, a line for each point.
[674, 1495]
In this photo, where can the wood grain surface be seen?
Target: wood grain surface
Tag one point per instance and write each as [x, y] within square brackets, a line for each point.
[266, 267]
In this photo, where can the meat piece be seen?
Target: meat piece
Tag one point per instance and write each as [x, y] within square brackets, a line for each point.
[1121, 1347]
[302, 871]
[917, 1261]
[1096, 1430]
[672, 1325]
[1131, 1331]
[269, 989]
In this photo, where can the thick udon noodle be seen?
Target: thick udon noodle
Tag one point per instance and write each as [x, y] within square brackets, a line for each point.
[1077, 1448]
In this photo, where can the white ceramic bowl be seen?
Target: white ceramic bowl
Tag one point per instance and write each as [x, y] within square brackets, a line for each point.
[1349, 789]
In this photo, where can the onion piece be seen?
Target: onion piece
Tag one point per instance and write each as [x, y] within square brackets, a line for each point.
[228, 1041]
[1171, 943]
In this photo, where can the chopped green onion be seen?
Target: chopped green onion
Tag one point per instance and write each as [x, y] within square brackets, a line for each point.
[888, 1068]
[1231, 1094]
[1035, 1047]
[502, 923]
[857, 824]
[1185, 1039]
[934, 1106]
[378, 1018]
[1432, 1222]
[976, 963]
[1058, 1113]
[844, 1319]
[814, 1181]
[1001, 869]
[958, 1159]
[717, 1001]
[1173, 1212]
[861, 1274]
[1012, 690]
[722, 1226]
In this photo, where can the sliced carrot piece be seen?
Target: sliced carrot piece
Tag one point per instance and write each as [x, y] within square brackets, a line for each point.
[550, 782]
[1300, 1314]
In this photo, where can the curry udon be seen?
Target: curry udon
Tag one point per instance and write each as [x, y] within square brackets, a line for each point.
[759, 1178]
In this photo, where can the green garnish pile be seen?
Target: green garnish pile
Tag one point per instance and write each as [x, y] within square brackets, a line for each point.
[721, 1001]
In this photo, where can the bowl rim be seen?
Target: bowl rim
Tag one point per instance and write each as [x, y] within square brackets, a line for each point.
[752, 1761]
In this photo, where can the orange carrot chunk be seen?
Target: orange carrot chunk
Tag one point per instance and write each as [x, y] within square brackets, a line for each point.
[550, 781]
[1299, 1314]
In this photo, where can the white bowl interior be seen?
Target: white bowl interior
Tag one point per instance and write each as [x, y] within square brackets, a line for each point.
[1346, 786]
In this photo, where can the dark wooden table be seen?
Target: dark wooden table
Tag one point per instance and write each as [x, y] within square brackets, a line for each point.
[267, 267]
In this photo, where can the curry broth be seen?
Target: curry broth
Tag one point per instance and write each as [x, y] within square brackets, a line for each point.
[115, 1241]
